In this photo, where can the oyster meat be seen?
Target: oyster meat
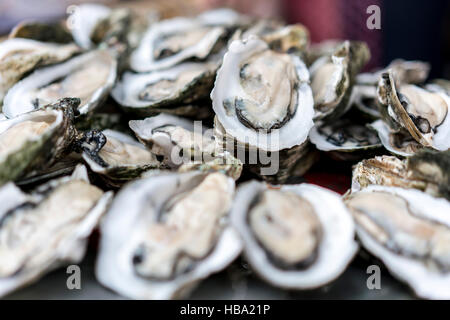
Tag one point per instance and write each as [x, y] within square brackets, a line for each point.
[295, 236]
[175, 234]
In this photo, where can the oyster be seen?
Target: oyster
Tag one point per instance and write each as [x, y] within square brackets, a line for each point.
[89, 77]
[115, 156]
[333, 77]
[295, 236]
[174, 234]
[36, 236]
[409, 231]
[167, 91]
[32, 142]
[424, 114]
[263, 103]
[175, 40]
[20, 56]
[344, 138]
[364, 95]
[178, 140]
[426, 171]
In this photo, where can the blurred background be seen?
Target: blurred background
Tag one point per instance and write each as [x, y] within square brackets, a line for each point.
[410, 29]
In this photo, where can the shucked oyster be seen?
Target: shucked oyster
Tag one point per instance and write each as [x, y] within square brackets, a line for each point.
[410, 232]
[344, 138]
[295, 236]
[175, 233]
[167, 90]
[115, 156]
[20, 56]
[89, 77]
[172, 41]
[178, 140]
[424, 114]
[37, 236]
[333, 77]
[32, 142]
[263, 105]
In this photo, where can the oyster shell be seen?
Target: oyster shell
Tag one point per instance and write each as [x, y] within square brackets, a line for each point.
[37, 237]
[84, 20]
[345, 138]
[177, 139]
[333, 77]
[20, 56]
[424, 114]
[175, 40]
[295, 236]
[261, 109]
[175, 234]
[115, 156]
[167, 90]
[45, 32]
[89, 77]
[399, 143]
[32, 142]
[409, 231]
[426, 171]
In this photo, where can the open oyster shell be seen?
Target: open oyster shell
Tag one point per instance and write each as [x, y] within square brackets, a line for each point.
[344, 138]
[399, 143]
[333, 77]
[426, 171]
[115, 156]
[261, 108]
[295, 236]
[89, 76]
[409, 231]
[175, 40]
[36, 236]
[167, 90]
[424, 114]
[32, 142]
[20, 56]
[175, 234]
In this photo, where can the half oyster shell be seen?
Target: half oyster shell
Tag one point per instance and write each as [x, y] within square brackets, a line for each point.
[34, 141]
[36, 236]
[424, 114]
[116, 157]
[89, 77]
[175, 234]
[172, 41]
[20, 56]
[409, 231]
[333, 77]
[167, 90]
[295, 236]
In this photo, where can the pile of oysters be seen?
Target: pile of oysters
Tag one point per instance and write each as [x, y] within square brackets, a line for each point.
[142, 127]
